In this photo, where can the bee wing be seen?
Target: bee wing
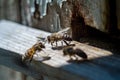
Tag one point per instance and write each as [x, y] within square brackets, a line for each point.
[64, 30]
[41, 58]
[41, 38]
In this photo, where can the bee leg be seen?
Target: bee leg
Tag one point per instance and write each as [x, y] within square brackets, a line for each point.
[52, 44]
[66, 42]
[71, 58]
[56, 43]
[69, 42]
[44, 52]
[76, 57]
[23, 59]
[37, 55]
[31, 59]
[62, 43]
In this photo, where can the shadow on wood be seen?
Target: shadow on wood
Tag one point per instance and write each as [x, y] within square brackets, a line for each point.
[96, 69]
[102, 40]
[102, 64]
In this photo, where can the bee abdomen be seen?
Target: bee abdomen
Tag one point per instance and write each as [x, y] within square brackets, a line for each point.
[80, 53]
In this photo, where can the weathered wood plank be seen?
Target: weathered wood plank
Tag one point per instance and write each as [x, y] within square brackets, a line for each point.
[16, 39]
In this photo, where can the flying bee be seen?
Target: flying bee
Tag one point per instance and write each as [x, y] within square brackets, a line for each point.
[31, 51]
[59, 36]
[71, 51]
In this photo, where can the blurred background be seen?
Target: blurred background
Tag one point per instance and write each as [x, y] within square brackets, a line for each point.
[9, 74]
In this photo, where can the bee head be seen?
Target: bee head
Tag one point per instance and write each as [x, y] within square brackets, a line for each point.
[67, 51]
[39, 44]
[25, 58]
[42, 45]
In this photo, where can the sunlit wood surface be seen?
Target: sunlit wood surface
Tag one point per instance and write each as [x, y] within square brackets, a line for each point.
[15, 39]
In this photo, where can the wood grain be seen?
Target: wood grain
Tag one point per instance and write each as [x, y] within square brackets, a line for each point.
[15, 39]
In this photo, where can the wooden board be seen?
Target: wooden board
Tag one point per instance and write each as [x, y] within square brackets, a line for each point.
[15, 39]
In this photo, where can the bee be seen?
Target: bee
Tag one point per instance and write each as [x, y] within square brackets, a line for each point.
[31, 51]
[59, 36]
[71, 51]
